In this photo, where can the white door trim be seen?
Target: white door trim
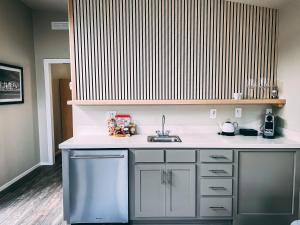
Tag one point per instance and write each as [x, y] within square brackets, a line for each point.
[49, 110]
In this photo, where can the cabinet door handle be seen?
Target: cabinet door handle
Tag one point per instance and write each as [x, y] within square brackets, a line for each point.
[217, 208]
[218, 188]
[218, 157]
[169, 177]
[163, 176]
[218, 171]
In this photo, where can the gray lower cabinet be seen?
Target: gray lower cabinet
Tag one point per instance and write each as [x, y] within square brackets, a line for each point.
[165, 190]
[267, 187]
[181, 190]
[150, 190]
[252, 187]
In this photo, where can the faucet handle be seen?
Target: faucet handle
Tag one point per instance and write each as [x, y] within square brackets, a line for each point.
[167, 132]
[158, 132]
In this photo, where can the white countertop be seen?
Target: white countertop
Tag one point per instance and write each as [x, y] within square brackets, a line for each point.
[188, 141]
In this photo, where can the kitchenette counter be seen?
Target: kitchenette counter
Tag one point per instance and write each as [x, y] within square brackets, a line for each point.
[188, 141]
[189, 182]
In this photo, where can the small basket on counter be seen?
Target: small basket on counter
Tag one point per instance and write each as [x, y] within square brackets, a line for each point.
[121, 126]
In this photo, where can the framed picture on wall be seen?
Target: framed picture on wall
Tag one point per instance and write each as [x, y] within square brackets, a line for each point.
[11, 84]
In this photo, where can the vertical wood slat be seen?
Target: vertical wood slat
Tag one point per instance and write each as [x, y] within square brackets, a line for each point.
[116, 58]
[222, 53]
[82, 51]
[275, 36]
[252, 51]
[249, 49]
[205, 49]
[269, 48]
[87, 86]
[105, 50]
[164, 49]
[73, 30]
[200, 55]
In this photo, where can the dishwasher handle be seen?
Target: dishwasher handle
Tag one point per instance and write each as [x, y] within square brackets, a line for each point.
[97, 156]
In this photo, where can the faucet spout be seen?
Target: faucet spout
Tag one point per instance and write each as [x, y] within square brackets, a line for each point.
[163, 132]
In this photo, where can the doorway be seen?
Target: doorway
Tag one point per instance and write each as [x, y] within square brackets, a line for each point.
[62, 112]
[58, 112]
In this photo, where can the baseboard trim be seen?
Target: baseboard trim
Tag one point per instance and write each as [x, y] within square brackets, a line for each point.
[46, 164]
[3, 187]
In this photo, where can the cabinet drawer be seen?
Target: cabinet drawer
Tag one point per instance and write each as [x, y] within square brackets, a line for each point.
[214, 156]
[216, 187]
[181, 156]
[216, 170]
[216, 207]
[149, 156]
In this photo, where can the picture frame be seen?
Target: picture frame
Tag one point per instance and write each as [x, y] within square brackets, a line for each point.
[11, 84]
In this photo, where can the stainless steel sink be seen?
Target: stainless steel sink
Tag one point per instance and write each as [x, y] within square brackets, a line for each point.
[164, 139]
[163, 135]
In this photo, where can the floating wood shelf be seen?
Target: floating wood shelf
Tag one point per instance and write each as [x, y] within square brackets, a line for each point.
[275, 102]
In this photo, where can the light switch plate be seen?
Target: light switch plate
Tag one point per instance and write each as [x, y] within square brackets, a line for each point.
[238, 113]
[212, 113]
[269, 111]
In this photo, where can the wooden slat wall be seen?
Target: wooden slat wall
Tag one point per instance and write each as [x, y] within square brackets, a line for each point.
[173, 49]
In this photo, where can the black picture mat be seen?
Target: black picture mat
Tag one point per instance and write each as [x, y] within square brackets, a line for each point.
[21, 84]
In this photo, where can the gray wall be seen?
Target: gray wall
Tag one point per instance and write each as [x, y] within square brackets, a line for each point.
[48, 44]
[288, 64]
[18, 127]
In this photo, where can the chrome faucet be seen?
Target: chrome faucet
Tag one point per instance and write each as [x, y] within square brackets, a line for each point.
[163, 121]
[163, 132]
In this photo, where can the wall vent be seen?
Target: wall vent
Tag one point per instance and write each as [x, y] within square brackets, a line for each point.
[59, 25]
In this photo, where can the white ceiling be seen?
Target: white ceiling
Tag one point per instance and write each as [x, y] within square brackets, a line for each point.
[49, 5]
[277, 4]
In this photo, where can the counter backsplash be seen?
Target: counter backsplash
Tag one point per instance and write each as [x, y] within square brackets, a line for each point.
[92, 120]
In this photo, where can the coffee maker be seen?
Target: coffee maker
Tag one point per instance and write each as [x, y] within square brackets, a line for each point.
[269, 126]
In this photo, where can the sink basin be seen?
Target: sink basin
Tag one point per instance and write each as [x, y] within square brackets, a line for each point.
[164, 139]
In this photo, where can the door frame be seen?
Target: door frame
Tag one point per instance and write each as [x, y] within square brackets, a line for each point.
[50, 150]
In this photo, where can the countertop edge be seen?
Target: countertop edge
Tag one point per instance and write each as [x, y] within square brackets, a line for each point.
[189, 141]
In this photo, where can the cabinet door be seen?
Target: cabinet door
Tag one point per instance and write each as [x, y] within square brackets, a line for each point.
[181, 195]
[150, 190]
[266, 187]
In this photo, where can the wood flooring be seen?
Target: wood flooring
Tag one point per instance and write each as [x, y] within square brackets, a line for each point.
[34, 200]
[37, 199]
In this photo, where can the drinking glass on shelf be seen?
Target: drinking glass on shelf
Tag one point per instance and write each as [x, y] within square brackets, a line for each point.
[250, 88]
[274, 92]
[264, 88]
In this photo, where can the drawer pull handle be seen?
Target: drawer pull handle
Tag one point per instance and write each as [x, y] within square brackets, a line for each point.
[217, 208]
[218, 171]
[218, 188]
[218, 157]
[97, 156]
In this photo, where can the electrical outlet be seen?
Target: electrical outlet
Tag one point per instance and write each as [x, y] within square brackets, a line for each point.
[111, 114]
[238, 113]
[212, 113]
[269, 111]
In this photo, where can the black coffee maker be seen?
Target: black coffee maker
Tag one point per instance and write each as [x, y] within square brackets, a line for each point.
[269, 126]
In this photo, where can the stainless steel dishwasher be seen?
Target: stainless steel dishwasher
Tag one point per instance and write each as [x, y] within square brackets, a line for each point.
[98, 186]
